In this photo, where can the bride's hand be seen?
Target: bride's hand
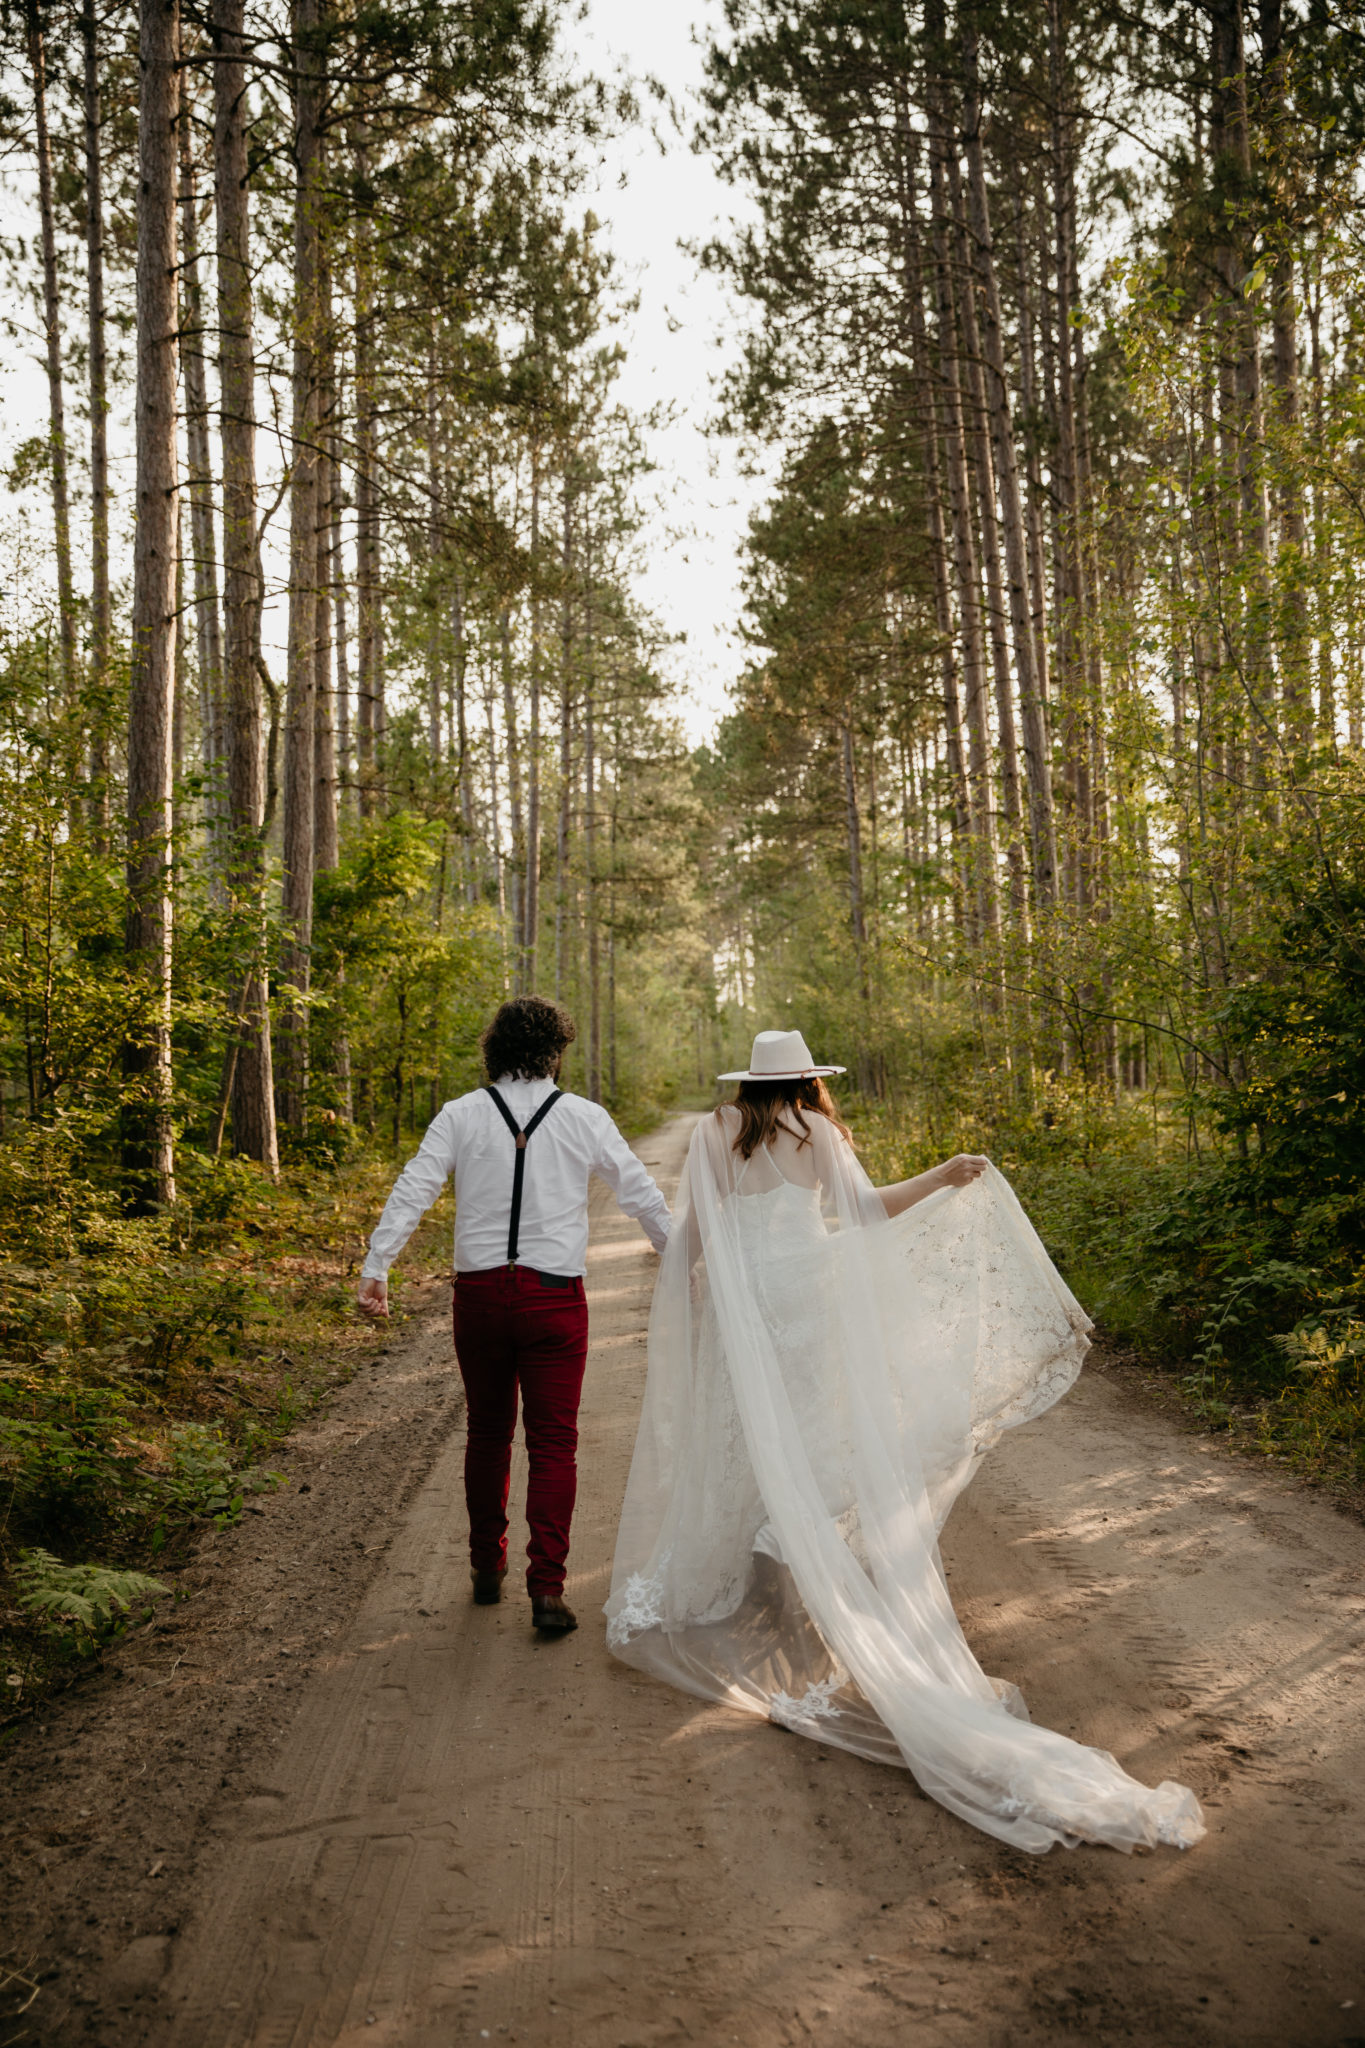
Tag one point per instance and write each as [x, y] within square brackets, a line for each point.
[961, 1170]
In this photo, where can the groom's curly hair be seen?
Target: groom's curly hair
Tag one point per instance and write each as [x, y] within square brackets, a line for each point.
[527, 1038]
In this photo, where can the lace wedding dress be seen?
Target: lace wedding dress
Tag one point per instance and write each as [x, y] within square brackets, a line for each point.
[822, 1384]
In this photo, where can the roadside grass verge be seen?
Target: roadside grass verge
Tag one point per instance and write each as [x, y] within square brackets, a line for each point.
[149, 1370]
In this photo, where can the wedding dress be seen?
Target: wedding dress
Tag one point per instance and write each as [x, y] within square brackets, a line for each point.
[822, 1384]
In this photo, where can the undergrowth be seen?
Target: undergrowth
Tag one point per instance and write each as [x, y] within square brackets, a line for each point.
[150, 1367]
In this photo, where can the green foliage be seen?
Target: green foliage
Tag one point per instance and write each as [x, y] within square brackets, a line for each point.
[73, 1468]
[205, 1479]
[411, 984]
[79, 1606]
[66, 1464]
[1299, 1029]
[146, 1377]
[1318, 1418]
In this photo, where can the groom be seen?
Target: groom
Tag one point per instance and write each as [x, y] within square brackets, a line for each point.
[521, 1151]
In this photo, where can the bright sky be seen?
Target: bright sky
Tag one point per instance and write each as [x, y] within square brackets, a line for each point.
[676, 343]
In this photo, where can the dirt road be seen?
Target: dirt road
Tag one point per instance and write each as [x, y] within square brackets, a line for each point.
[465, 1835]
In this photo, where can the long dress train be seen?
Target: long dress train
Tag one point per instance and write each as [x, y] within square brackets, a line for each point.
[822, 1384]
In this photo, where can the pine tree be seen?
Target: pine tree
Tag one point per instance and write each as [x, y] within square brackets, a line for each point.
[148, 1151]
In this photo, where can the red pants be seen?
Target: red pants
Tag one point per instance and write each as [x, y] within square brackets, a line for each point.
[511, 1329]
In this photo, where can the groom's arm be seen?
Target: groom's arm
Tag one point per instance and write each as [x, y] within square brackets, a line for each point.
[414, 1191]
[636, 1192]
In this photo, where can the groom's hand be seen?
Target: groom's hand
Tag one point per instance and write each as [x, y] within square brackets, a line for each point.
[373, 1298]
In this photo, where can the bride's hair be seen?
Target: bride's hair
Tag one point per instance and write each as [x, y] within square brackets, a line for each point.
[764, 1106]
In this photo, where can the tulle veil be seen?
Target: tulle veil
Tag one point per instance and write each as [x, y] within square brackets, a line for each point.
[822, 1383]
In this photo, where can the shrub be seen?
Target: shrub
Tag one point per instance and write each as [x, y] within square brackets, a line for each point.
[78, 1606]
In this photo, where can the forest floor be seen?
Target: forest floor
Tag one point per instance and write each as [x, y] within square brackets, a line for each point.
[325, 1800]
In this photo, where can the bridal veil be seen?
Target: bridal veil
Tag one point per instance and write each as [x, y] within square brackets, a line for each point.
[822, 1383]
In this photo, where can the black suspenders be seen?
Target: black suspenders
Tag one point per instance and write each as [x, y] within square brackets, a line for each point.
[519, 1170]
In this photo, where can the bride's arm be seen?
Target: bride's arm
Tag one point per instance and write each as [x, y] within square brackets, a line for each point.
[958, 1172]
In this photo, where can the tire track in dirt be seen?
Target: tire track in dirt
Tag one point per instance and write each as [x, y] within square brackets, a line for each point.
[469, 1835]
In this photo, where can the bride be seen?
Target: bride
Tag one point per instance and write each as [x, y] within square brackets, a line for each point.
[828, 1364]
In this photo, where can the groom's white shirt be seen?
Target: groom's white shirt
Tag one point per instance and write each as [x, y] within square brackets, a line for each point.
[469, 1139]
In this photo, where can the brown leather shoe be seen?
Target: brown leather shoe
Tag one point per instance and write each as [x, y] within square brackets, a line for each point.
[488, 1587]
[551, 1613]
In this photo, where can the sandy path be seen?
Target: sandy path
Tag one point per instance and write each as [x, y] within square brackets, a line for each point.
[468, 1835]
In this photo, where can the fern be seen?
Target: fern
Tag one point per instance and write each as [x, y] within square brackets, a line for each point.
[84, 1602]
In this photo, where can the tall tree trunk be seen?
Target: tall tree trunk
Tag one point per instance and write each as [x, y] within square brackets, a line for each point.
[304, 582]
[1320, 534]
[100, 614]
[435, 543]
[181, 683]
[1087, 556]
[340, 624]
[594, 1045]
[1070, 655]
[618, 767]
[330, 730]
[982, 468]
[459, 665]
[203, 542]
[366, 507]
[867, 1063]
[530, 942]
[924, 373]
[985, 894]
[250, 1075]
[1243, 327]
[1227, 143]
[1032, 707]
[148, 1146]
[512, 742]
[853, 840]
[1292, 559]
[326, 851]
[1033, 409]
[52, 331]
[494, 805]
[566, 643]
[381, 710]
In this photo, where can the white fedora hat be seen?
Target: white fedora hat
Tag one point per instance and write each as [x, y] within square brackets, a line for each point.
[780, 1056]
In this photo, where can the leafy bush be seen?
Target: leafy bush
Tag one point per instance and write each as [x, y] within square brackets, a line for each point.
[64, 1460]
[130, 1323]
[205, 1478]
[72, 1470]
